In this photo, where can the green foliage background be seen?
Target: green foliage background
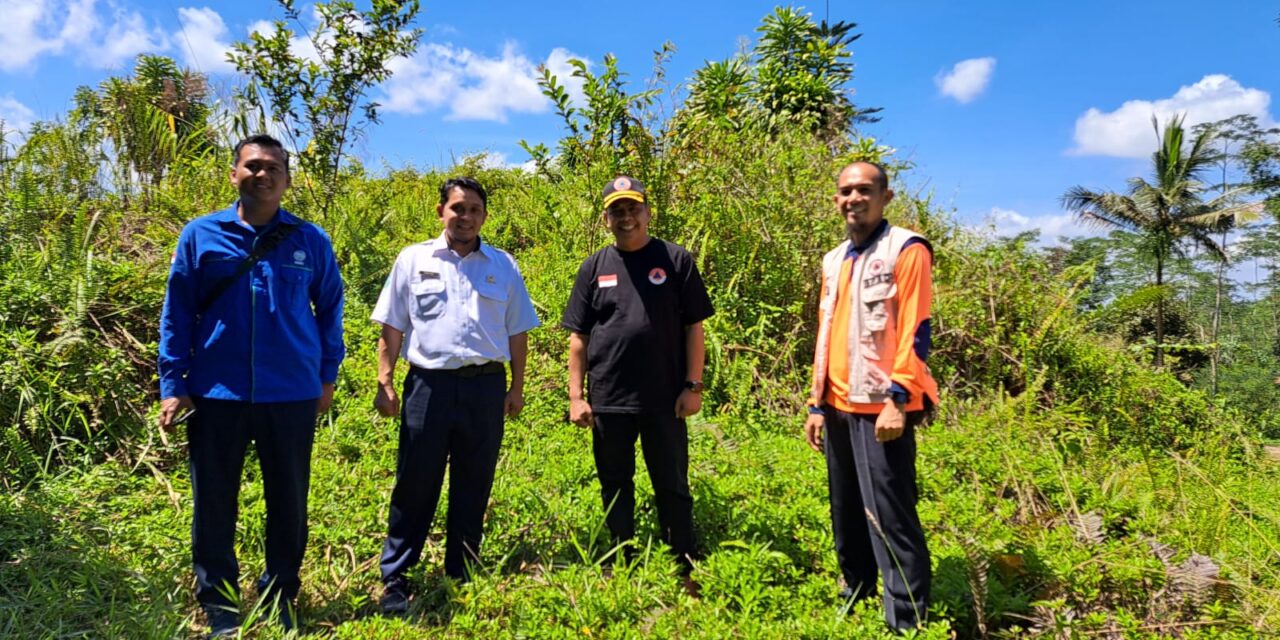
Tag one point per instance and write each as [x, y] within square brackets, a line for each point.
[1067, 490]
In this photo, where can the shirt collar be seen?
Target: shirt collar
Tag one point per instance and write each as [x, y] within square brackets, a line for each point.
[229, 215]
[442, 244]
[875, 235]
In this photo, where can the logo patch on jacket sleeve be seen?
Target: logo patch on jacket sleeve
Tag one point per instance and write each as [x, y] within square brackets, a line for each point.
[606, 281]
[657, 275]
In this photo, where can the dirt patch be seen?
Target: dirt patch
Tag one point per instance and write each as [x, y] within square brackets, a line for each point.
[1271, 452]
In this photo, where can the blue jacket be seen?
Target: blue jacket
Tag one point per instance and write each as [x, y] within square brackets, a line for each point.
[273, 336]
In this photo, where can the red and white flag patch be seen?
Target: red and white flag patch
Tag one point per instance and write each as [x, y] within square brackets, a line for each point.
[606, 281]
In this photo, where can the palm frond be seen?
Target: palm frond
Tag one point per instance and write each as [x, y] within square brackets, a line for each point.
[1104, 209]
[1214, 216]
[1202, 238]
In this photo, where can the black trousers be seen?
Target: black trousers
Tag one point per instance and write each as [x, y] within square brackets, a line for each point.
[218, 436]
[445, 420]
[873, 513]
[664, 440]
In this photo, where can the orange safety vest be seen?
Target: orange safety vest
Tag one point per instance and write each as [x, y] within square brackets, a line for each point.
[869, 312]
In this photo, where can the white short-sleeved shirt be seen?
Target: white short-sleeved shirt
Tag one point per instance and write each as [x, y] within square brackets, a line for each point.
[455, 311]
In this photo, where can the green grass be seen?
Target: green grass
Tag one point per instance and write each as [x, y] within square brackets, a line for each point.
[102, 551]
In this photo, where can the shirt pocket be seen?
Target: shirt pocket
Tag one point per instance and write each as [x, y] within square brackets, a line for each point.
[214, 270]
[429, 298]
[297, 283]
[492, 309]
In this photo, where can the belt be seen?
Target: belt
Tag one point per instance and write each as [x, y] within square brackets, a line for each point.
[470, 371]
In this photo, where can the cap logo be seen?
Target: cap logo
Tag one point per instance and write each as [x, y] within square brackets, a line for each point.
[299, 256]
[621, 184]
[657, 275]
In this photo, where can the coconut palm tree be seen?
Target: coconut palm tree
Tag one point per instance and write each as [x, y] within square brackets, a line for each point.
[1169, 211]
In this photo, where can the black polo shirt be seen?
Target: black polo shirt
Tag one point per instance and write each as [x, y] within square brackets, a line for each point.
[634, 306]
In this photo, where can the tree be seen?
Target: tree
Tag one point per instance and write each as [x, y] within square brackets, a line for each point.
[151, 119]
[802, 67]
[1237, 130]
[1168, 212]
[797, 71]
[316, 99]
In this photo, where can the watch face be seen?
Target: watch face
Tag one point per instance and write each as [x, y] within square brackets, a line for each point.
[694, 386]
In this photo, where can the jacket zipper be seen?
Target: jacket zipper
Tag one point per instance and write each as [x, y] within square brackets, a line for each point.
[253, 327]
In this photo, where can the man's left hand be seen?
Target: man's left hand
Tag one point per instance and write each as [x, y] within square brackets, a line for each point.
[326, 398]
[891, 422]
[688, 404]
[514, 403]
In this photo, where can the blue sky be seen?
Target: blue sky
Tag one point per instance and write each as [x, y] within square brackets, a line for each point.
[1002, 106]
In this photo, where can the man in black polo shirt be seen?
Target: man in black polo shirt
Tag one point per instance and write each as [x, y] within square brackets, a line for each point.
[636, 315]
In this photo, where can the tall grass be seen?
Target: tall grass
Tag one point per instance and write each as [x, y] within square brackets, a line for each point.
[1066, 491]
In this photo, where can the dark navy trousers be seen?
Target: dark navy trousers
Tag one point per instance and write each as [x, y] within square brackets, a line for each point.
[446, 420]
[664, 439]
[873, 513]
[218, 436]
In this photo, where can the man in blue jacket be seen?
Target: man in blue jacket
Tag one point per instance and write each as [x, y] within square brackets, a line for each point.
[250, 340]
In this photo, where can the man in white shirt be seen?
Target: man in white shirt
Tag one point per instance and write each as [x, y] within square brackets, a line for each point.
[456, 309]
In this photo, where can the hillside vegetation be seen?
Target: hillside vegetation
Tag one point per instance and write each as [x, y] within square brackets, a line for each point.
[1068, 490]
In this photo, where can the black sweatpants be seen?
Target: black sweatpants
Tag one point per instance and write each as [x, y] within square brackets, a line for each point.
[446, 420]
[218, 436]
[664, 440]
[873, 513]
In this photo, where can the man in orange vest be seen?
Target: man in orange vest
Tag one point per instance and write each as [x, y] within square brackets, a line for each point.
[870, 390]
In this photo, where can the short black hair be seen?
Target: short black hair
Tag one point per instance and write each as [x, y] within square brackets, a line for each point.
[262, 140]
[463, 182]
[882, 177]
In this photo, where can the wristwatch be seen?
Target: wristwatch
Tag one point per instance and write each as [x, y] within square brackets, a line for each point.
[693, 385]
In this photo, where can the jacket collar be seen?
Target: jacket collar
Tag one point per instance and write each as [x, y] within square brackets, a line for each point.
[229, 215]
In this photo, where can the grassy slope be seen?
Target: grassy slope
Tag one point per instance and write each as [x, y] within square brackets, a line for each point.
[1042, 511]
[103, 552]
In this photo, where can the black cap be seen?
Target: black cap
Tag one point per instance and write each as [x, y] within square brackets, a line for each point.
[623, 187]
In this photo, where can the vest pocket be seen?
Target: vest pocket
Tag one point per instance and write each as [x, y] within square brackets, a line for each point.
[875, 302]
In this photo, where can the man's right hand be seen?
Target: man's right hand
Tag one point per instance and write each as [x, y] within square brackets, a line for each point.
[387, 402]
[813, 430]
[171, 408]
[580, 413]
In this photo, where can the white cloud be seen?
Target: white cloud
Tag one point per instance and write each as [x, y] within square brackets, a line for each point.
[203, 40]
[31, 29]
[1127, 133]
[39, 27]
[15, 115]
[82, 21]
[127, 37]
[967, 79]
[1007, 223]
[473, 86]
[558, 64]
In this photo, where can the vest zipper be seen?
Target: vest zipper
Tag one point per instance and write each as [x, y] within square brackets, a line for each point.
[855, 325]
